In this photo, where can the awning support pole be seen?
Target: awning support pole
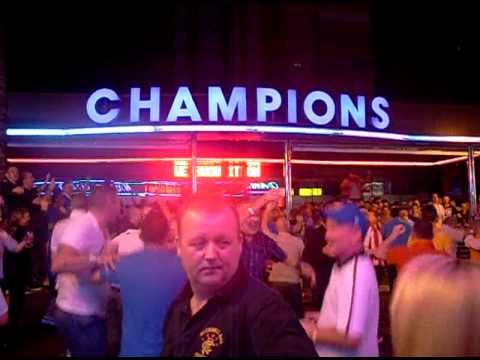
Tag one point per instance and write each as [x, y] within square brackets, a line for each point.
[287, 172]
[472, 185]
[194, 163]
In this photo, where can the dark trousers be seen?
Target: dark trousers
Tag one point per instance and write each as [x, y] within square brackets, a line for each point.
[292, 294]
[85, 336]
[16, 287]
[114, 323]
[39, 263]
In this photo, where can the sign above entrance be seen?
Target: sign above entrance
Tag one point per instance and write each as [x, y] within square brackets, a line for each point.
[248, 169]
[317, 107]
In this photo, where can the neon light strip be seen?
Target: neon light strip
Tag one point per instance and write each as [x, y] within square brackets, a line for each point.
[241, 129]
[356, 150]
[380, 163]
[278, 161]
[362, 163]
[130, 160]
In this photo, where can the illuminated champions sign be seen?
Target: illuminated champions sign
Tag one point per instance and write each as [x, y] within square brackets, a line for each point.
[318, 107]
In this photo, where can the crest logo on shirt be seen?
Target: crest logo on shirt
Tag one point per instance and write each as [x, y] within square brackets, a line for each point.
[211, 338]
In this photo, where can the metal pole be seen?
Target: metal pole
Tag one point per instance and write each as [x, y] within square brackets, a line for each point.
[287, 172]
[472, 185]
[194, 163]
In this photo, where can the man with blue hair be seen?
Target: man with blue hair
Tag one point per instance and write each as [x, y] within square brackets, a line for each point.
[348, 321]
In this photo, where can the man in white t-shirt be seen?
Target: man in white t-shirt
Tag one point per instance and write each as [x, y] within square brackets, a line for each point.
[81, 305]
[348, 321]
[128, 242]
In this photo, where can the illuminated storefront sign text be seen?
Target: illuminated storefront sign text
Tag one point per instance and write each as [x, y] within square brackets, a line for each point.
[318, 107]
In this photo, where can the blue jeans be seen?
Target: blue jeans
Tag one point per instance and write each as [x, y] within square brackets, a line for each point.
[85, 336]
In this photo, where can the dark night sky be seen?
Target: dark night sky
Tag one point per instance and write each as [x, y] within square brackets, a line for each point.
[428, 53]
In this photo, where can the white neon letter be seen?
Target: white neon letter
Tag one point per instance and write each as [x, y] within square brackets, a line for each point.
[216, 101]
[263, 106]
[153, 104]
[177, 110]
[347, 107]
[383, 120]
[292, 106]
[308, 107]
[92, 103]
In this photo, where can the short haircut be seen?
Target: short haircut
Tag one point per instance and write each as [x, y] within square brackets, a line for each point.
[155, 228]
[101, 196]
[26, 174]
[79, 201]
[17, 214]
[439, 295]
[207, 204]
[423, 230]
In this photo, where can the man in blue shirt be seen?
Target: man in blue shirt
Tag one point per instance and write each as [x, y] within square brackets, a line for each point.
[402, 239]
[149, 280]
[258, 248]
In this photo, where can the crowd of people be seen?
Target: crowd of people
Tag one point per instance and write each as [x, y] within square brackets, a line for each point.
[208, 277]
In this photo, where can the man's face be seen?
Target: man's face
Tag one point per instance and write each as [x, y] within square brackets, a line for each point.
[435, 198]
[28, 180]
[403, 214]
[309, 210]
[25, 219]
[446, 200]
[135, 215]
[209, 247]
[251, 225]
[68, 188]
[341, 238]
[12, 174]
[113, 208]
[372, 218]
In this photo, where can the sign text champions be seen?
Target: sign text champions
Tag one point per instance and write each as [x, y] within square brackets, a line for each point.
[318, 107]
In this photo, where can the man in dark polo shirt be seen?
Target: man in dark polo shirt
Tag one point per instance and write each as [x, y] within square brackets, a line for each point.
[223, 311]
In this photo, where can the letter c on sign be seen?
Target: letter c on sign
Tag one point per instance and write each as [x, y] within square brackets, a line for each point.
[92, 103]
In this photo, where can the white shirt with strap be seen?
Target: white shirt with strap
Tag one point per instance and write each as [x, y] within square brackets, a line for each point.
[351, 306]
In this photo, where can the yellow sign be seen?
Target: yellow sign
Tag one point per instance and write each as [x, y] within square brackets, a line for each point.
[308, 192]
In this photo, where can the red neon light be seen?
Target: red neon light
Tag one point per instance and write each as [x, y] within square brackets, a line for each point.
[212, 171]
[252, 169]
[263, 160]
[234, 171]
[180, 169]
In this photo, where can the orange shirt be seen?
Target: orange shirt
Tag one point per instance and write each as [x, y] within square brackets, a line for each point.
[400, 255]
[475, 255]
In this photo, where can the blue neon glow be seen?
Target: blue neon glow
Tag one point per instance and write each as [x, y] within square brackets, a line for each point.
[92, 106]
[153, 104]
[311, 115]
[183, 97]
[348, 108]
[237, 101]
[292, 106]
[241, 129]
[264, 106]
[383, 120]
